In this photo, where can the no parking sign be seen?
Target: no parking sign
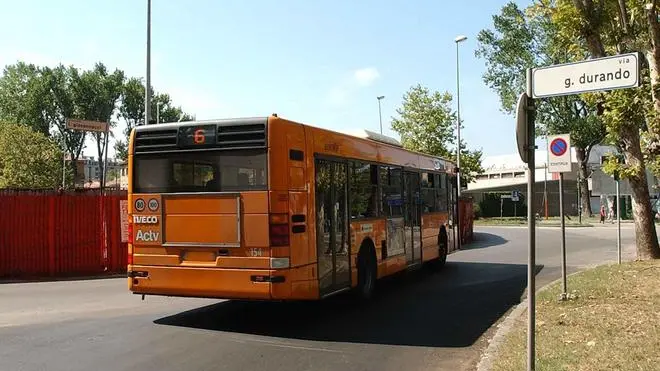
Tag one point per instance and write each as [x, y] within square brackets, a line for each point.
[559, 153]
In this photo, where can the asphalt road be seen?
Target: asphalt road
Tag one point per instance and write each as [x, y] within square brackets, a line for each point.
[420, 321]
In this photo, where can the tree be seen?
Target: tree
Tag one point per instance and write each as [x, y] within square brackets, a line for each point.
[97, 93]
[23, 96]
[28, 158]
[60, 106]
[603, 28]
[121, 150]
[526, 39]
[132, 111]
[426, 124]
[166, 111]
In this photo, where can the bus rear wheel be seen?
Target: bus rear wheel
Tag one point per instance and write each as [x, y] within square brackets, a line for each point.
[442, 251]
[367, 274]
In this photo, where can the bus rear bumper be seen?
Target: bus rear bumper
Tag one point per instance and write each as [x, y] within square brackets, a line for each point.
[218, 283]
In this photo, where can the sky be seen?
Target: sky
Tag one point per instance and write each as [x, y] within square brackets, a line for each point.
[322, 63]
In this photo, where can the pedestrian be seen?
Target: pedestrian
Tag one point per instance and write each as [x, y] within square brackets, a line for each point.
[602, 214]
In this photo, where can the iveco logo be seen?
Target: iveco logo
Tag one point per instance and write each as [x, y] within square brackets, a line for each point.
[145, 219]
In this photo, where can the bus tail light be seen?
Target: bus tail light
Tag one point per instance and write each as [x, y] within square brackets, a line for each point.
[279, 230]
[130, 242]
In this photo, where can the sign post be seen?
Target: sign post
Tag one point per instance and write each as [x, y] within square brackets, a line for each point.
[609, 73]
[559, 161]
[618, 218]
[98, 127]
[515, 197]
[526, 140]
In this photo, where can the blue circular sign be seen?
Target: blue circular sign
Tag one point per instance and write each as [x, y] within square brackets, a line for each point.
[558, 147]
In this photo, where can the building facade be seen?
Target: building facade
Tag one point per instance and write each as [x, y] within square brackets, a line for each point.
[506, 173]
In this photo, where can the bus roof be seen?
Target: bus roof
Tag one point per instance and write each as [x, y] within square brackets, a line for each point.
[359, 134]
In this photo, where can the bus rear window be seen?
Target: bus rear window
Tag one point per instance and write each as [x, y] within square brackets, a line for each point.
[213, 171]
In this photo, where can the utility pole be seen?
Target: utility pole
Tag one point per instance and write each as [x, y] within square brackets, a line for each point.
[380, 116]
[147, 88]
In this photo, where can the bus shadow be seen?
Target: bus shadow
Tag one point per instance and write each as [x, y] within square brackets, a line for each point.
[482, 240]
[452, 308]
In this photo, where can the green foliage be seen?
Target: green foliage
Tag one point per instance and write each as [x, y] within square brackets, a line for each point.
[121, 150]
[599, 28]
[96, 93]
[132, 108]
[426, 124]
[28, 159]
[62, 105]
[470, 164]
[523, 39]
[514, 45]
[24, 96]
[167, 112]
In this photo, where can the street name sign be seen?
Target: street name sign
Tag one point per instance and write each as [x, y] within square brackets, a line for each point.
[559, 153]
[86, 125]
[608, 73]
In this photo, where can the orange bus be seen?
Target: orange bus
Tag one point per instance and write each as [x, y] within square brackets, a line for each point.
[271, 209]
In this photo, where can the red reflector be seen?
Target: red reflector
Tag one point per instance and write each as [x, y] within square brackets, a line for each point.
[279, 230]
[129, 259]
[130, 232]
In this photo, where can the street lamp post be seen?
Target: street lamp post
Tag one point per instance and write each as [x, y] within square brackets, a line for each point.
[147, 92]
[380, 116]
[458, 40]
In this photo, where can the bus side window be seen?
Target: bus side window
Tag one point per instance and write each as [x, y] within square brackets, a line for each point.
[391, 185]
[363, 195]
[428, 192]
[442, 193]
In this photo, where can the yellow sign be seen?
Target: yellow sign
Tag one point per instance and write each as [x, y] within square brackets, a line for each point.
[123, 214]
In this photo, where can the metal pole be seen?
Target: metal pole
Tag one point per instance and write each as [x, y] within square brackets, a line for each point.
[501, 206]
[579, 197]
[147, 92]
[458, 144]
[380, 116]
[531, 257]
[458, 124]
[545, 182]
[64, 169]
[618, 222]
[563, 237]
[104, 223]
[157, 113]
[105, 160]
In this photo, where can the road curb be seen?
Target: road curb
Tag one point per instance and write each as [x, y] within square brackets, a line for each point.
[504, 327]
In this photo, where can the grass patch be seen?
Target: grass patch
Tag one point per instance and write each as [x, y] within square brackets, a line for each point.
[611, 322]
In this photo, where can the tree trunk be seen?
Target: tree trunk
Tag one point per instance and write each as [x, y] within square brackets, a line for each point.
[653, 57]
[100, 153]
[585, 198]
[645, 234]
